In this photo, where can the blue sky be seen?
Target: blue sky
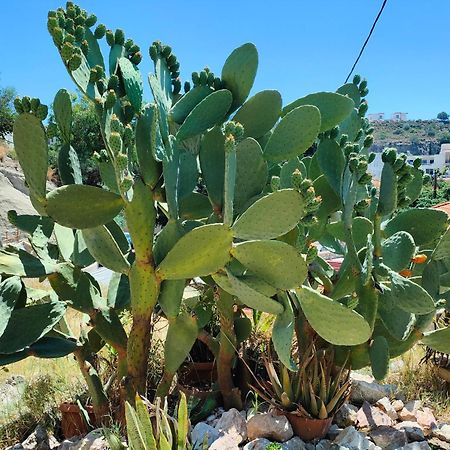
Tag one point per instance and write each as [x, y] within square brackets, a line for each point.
[304, 45]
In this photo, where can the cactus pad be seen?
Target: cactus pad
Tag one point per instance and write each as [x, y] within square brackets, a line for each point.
[133, 82]
[398, 250]
[438, 340]
[379, 357]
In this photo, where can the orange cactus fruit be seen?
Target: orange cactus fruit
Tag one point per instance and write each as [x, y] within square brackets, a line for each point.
[419, 259]
[405, 273]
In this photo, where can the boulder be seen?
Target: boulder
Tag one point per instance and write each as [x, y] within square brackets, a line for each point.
[225, 442]
[257, 444]
[346, 415]
[442, 432]
[233, 425]
[413, 430]
[294, 444]
[352, 439]
[38, 440]
[426, 419]
[389, 438]
[370, 417]
[398, 405]
[270, 426]
[199, 432]
[365, 388]
[386, 405]
[92, 441]
[409, 411]
[416, 446]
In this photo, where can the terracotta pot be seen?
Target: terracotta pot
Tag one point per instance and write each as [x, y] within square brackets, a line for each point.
[72, 422]
[200, 372]
[309, 429]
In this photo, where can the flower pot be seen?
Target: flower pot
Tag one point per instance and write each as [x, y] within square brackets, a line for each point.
[200, 373]
[309, 429]
[72, 422]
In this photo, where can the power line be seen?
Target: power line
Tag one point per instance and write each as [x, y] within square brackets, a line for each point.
[367, 39]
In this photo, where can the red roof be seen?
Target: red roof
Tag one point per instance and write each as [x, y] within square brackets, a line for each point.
[443, 207]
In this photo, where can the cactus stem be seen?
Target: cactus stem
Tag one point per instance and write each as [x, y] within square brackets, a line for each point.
[229, 184]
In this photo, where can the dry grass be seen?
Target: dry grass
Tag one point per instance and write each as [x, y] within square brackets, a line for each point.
[3, 152]
[421, 382]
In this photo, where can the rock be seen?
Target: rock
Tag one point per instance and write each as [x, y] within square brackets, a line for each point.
[413, 430]
[389, 438]
[333, 432]
[92, 441]
[232, 424]
[38, 440]
[364, 388]
[67, 444]
[437, 443]
[294, 444]
[346, 415]
[225, 442]
[398, 405]
[257, 444]
[409, 411]
[369, 417]
[426, 419]
[386, 405]
[352, 439]
[324, 444]
[199, 432]
[416, 446]
[269, 426]
[442, 432]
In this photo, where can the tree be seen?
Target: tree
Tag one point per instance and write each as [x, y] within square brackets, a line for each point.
[443, 117]
[7, 96]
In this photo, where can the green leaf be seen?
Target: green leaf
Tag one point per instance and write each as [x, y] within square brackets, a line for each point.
[332, 321]
[30, 145]
[271, 216]
[334, 108]
[331, 160]
[409, 296]
[10, 290]
[424, 225]
[379, 357]
[260, 113]
[294, 134]
[133, 82]
[275, 262]
[397, 250]
[39, 320]
[438, 340]
[183, 422]
[200, 252]
[79, 206]
[209, 112]
[239, 71]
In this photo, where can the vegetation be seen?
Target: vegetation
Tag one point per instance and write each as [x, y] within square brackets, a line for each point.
[6, 111]
[430, 197]
[246, 187]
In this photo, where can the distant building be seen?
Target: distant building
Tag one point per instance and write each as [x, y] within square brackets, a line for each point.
[399, 116]
[376, 117]
[430, 163]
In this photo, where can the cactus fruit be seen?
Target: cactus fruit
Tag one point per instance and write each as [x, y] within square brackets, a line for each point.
[100, 31]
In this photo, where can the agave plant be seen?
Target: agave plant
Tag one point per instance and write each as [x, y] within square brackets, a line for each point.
[315, 391]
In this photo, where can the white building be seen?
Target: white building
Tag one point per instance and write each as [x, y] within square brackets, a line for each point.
[430, 163]
[399, 116]
[375, 117]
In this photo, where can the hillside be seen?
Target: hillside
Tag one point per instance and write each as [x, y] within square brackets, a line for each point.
[418, 137]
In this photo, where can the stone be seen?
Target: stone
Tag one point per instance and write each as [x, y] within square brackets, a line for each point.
[398, 405]
[364, 388]
[324, 444]
[333, 431]
[232, 423]
[257, 444]
[346, 415]
[442, 432]
[413, 430]
[38, 440]
[352, 439]
[225, 442]
[386, 405]
[199, 432]
[416, 446]
[92, 441]
[409, 411]
[294, 444]
[437, 443]
[67, 444]
[369, 417]
[389, 438]
[426, 419]
[270, 426]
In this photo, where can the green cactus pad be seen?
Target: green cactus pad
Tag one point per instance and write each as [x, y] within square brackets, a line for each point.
[209, 112]
[181, 336]
[409, 296]
[352, 91]
[331, 161]
[200, 252]
[22, 264]
[195, 206]
[65, 240]
[253, 298]
[259, 114]
[334, 108]
[399, 323]
[39, 320]
[69, 165]
[10, 290]
[283, 333]
[133, 82]
[79, 206]
[275, 262]
[52, 347]
[330, 200]
[270, 216]
[251, 173]
[361, 227]
[103, 247]
[332, 321]
[351, 126]
[30, 145]
[94, 56]
[166, 239]
[110, 329]
[239, 71]
[288, 169]
[295, 133]
[188, 102]
[170, 297]
[438, 340]
[81, 76]
[80, 255]
[387, 202]
[442, 250]
[398, 250]
[414, 187]
[62, 108]
[118, 296]
[117, 51]
[424, 225]
[379, 357]
[187, 174]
